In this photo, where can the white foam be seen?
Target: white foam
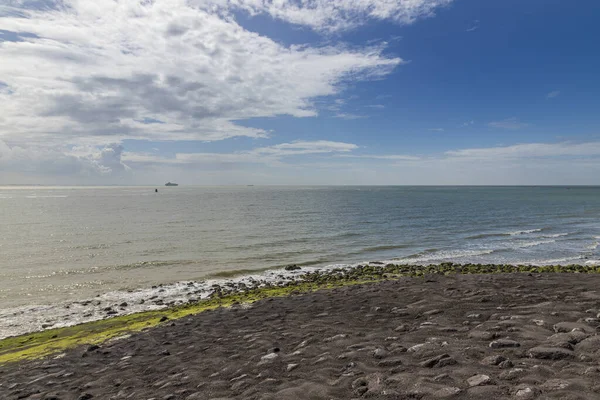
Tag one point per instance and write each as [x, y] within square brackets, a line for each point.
[526, 245]
[444, 255]
[556, 261]
[593, 246]
[556, 235]
[525, 232]
[26, 319]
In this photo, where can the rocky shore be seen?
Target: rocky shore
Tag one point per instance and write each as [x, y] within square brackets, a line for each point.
[35, 318]
[446, 333]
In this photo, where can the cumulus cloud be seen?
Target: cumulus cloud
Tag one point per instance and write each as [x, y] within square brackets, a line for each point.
[82, 162]
[110, 66]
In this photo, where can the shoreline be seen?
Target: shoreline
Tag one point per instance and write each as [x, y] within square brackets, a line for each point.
[516, 335]
[22, 320]
[117, 319]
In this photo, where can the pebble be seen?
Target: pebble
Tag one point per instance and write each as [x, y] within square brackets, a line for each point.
[525, 393]
[550, 353]
[555, 384]
[504, 343]
[442, 377]
[392, 362]
[291, 367]
[512, 374]
[446, 392]
[268, 358]
[438, 362]
[336, 337]
[570, 326]
[479, 380]
[482, 335]
[380, 353]
[493, 360]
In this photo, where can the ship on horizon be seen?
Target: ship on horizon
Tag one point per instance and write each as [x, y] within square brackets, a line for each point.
[171, 184]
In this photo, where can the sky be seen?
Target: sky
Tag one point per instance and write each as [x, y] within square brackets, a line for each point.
[350, 92]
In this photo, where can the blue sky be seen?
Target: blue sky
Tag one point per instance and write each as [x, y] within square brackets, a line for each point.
[239, 92]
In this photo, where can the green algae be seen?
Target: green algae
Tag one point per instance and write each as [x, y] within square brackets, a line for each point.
[53, 341]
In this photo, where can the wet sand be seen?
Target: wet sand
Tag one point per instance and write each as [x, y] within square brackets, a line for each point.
[496, 336]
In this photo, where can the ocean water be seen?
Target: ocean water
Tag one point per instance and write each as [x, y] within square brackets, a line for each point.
[61, 244]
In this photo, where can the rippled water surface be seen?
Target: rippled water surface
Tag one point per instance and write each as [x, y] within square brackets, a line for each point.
[71, 243]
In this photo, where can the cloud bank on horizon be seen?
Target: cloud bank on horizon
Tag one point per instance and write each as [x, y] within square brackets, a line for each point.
[137, 91]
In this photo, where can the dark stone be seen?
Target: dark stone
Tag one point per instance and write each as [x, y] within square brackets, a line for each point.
[392, 362]
[504, 343]
[550, 353]
[438, 362]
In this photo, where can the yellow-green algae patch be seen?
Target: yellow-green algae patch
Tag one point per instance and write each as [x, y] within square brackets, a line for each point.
[45, 343]
[52, 341]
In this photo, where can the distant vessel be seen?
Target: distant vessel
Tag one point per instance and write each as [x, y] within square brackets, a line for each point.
[171, 184]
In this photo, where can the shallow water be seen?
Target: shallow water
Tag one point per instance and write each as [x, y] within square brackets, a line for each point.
[61, 244]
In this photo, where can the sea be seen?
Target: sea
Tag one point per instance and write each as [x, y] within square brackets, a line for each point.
[62, 245]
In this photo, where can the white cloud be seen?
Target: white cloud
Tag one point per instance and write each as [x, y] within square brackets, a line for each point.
[344, 115]
[436, 129]
[530, 163]
[509, 123]
[271, 155]
[474, 26]
[553, 94]
[334, 15]
[78, 162]
[389, 157]
[109, 65]
[530, 150]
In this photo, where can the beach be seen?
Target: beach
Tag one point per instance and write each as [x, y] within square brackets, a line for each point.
[524, 335]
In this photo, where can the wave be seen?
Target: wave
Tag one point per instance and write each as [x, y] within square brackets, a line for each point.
[383, 247]
[487, 235]
[501, 234]
[524, 232]
[444, 255]
[526, 245]
[593, 246]
[556, 235]
[554, 261]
